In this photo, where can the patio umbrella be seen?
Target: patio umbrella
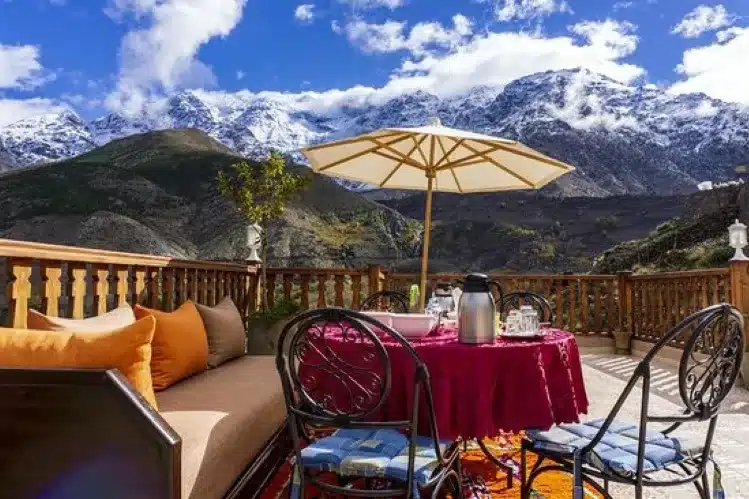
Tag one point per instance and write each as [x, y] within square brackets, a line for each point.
[435, 158]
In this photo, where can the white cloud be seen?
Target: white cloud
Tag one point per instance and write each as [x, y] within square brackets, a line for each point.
[494, 59]
[20, 67]
[622, 5]
[373, 4]
[241, 74]
[12, 110]
[390, 37]
[305, 13]
[161, 56]
[716, 69]
[507, 10]
[702, 19]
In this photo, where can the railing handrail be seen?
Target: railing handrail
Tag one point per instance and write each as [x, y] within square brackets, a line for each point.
[54, 252]
[529, 275]
[676, 274]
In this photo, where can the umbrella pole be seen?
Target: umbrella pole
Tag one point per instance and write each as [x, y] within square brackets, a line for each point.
[425, 250]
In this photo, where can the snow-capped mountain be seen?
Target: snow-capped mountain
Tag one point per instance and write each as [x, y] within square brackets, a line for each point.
[622, 139]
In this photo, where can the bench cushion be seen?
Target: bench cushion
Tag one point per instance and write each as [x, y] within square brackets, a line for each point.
[224, 416]
[616, 453]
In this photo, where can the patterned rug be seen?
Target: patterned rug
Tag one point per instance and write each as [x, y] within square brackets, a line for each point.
[481, 480]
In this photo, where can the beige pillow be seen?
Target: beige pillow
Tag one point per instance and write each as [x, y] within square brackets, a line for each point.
[225, 329]
[114, 319]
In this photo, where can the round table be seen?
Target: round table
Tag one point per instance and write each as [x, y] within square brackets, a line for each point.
[478, 390]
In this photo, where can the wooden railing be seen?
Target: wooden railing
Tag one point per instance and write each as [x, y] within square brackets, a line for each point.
[582, 303]
[78, 282]
[313, 288]
[660, 301]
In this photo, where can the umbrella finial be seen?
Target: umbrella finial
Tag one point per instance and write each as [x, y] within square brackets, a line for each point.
[435, 121]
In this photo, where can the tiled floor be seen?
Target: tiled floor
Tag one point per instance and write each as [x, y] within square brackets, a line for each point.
[606, 376]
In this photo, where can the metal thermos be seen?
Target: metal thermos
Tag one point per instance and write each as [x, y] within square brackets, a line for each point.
[476, 310]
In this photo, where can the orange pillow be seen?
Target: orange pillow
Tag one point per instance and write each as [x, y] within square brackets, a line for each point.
[127, 349]
[179, 346]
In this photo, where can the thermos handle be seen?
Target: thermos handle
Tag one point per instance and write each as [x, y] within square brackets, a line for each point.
[501, 292]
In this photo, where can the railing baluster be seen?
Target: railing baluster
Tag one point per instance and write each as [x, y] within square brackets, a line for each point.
[610, 321]
[304, 278]
[339, 290]
[18, 291]
[167, 290]
[559, 322]
[597, 306]
[572, 314]
[100, 277]
[51, 273]
[321, 282]
[270, 291]
[77, 289]
[180, 287]
[585, 305]
[287, 285]
[122, 285]
[356, 291]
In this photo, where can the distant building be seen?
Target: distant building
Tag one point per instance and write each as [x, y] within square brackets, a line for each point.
[705, 186]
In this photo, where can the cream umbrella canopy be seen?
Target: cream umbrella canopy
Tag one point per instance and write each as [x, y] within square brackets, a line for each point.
[435, 158]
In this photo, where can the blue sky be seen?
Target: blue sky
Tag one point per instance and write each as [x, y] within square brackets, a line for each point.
[98, 56]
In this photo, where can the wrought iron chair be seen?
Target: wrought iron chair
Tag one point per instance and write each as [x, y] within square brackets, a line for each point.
[360, 448]
[390, 301]
[518, 298]
[616, 451]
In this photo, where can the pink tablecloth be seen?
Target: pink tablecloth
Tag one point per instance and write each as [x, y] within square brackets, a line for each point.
[480, 390]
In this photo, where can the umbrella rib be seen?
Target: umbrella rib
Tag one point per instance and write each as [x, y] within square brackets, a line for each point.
[470, 159]
[418, 148]
[397, 167]
[501, 166]
[365, 152]
[452, 170]
[406, 159]
[353, 140]
[394, 158]
[537, 157]
[448, 153]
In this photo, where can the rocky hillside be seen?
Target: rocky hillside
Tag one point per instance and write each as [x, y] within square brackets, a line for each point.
[520, 232]
[622, 139]
[156, 193]
[697, 239]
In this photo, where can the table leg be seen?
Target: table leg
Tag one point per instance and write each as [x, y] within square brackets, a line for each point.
[498, 462]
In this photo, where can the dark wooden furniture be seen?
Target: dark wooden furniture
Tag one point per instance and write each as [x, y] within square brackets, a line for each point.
[86, 434]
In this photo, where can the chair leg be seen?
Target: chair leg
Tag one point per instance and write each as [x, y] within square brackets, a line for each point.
[705, 485]
[578, 491]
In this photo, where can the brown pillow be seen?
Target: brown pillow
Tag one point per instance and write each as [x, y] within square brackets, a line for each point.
[179, 346]
[226, 334]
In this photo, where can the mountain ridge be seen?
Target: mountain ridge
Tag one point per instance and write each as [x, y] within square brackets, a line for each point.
[622, 139]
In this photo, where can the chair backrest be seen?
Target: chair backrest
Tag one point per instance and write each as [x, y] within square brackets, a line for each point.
[518, 298]
[390, 301]
[711, 358]
[708, 369]
[336, 373]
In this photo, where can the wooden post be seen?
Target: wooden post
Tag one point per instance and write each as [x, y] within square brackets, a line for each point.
[625, 300]
[374, 274]
[738, 271]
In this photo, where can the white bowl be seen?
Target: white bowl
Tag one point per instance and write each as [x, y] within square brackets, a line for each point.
[384, 317]
[413, 325]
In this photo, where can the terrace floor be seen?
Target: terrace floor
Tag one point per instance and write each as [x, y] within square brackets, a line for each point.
[605, 377]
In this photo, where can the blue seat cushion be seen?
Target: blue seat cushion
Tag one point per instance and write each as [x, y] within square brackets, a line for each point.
[367, 452]
[616, 453]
